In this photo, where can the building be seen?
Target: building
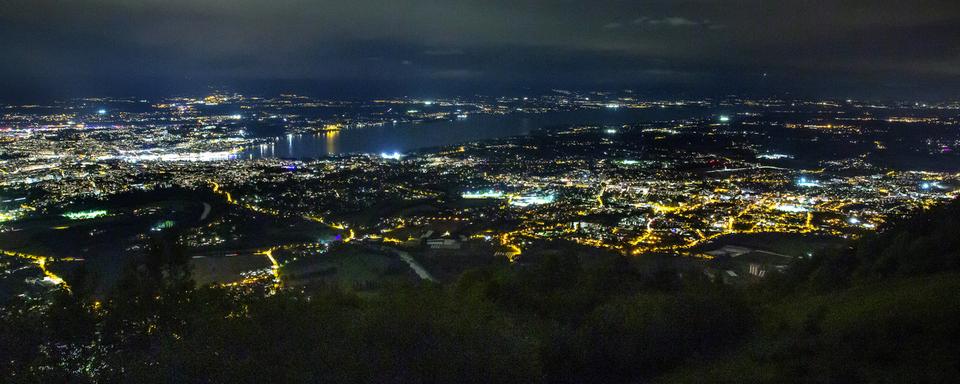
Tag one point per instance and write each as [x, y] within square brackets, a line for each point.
[443, 244]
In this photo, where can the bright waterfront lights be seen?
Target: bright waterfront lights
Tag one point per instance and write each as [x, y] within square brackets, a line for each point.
[807, 183]
[526, 201]
[84, 215]
[391, 156]
[148, 155]
[774, 156]
[790, 208]
[488, 194]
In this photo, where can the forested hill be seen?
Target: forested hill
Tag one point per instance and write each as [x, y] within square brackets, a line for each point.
[883, 309]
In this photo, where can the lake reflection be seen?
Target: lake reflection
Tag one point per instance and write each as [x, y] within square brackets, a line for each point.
[403, 137]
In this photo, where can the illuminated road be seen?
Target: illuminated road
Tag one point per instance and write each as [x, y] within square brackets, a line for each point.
[40, 262]
[274, 267]
[274, 212]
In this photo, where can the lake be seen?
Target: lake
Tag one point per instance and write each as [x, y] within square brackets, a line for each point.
[403, 137]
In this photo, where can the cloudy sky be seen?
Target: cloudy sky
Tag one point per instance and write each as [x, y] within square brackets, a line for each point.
[849, 48]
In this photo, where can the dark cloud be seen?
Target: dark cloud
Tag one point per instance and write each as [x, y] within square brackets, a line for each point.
[856, 47]
[671, 21]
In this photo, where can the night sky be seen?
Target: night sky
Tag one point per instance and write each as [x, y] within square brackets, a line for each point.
[851, 48]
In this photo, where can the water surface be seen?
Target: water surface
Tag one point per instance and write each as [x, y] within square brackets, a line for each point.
[403, 137]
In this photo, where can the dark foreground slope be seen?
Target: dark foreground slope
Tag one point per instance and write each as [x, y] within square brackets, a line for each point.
[884, 309]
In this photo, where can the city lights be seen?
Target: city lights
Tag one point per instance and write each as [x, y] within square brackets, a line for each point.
[391, 156]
